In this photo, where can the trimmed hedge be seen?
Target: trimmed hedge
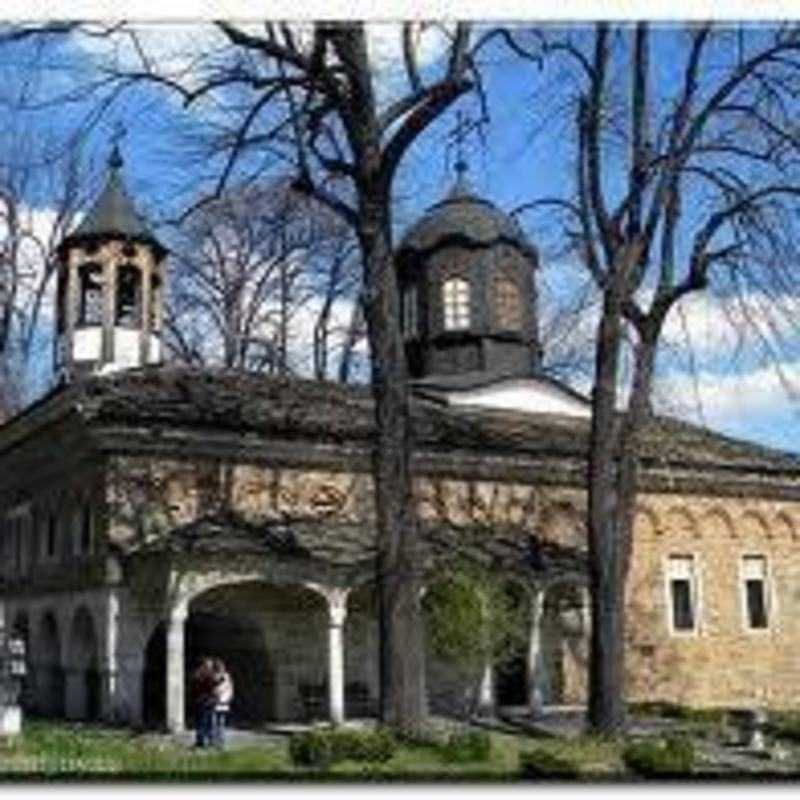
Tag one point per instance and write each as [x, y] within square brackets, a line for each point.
[467, 746]
[785, 725]
[323, 747]
[543, 764]
[670, 757]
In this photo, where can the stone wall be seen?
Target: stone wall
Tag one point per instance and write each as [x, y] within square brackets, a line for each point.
[721, 662]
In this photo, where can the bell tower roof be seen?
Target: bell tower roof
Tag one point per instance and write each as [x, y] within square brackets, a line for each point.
[114, 213]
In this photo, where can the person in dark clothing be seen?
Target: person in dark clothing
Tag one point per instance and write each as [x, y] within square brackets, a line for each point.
[203, 681]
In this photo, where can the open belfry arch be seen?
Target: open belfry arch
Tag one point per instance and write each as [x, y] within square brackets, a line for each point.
[151, 513]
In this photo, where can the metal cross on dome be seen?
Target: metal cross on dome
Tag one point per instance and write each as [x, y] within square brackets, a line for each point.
[463, 128]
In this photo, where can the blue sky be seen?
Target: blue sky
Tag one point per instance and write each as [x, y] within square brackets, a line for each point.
[525, 153]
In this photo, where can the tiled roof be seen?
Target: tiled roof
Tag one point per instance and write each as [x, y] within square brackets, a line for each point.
[114, 213]
[462, 215]
[327, 412]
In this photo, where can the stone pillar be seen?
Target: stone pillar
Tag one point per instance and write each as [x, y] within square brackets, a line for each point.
[145, 287]
[109, 674]
[176, 701]
[70, 312]
[336, 598]
[486, 691]
[535, 699]
[109, 309]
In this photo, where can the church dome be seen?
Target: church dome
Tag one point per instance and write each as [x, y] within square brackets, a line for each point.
[464, 216]
[468, 295]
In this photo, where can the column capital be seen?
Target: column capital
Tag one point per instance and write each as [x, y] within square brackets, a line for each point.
[336, 596]
[178, 612]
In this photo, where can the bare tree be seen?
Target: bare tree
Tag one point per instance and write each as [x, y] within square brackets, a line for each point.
[29, 239]
[677, 186]
[244, 267]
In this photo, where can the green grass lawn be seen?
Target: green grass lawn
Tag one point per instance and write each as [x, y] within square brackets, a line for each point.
[60, 750]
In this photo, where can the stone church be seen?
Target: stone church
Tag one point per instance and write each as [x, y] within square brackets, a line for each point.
[151, 513]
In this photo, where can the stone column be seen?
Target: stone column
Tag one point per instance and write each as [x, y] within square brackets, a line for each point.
[109, 675]
[176, 702]
[336, 598]
[486, 691]
[145, 286]
[109, 309]
[535, 699]
[70, 312]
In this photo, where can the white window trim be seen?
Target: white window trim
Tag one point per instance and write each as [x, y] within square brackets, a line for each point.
[769, 596]
[456, 298]
[697, 596]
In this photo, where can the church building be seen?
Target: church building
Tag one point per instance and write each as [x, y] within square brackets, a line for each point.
[151, 513]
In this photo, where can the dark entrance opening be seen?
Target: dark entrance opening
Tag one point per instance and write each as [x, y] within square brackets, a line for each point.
[238, 642]
[511, 680]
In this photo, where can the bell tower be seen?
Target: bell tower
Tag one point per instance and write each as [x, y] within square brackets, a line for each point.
[110, 287]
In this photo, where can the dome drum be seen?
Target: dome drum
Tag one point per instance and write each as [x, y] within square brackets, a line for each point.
[468, 294]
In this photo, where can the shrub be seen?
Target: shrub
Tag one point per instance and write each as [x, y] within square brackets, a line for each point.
[670, 757]
[468, 746]
[353, 745]
[312, 749]
[544, 764]
[321, 748]
[785, 725]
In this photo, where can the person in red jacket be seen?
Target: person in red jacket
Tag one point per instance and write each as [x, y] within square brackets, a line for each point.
[203, 681]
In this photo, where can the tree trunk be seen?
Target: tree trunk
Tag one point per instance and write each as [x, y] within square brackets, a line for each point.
[613, 483]
[401, 662]
[606, 678]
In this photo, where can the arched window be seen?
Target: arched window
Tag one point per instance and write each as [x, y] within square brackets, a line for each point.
[455, 301]
[129, 297]
[507, 304]
[90, 310]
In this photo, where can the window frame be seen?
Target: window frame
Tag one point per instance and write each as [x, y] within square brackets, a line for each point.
[768, 595]
[456, 294]
[500, 298]
[695, 593]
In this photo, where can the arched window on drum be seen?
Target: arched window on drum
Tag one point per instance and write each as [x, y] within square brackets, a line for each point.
[507, 304]
[456, 304]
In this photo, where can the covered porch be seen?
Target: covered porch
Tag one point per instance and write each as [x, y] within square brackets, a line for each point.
[292, 611]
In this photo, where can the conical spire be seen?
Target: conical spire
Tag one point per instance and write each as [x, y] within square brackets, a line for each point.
[114, 213]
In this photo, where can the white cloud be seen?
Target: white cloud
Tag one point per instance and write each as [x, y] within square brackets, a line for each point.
[739, 401]
[717, 328]
[183, 52]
